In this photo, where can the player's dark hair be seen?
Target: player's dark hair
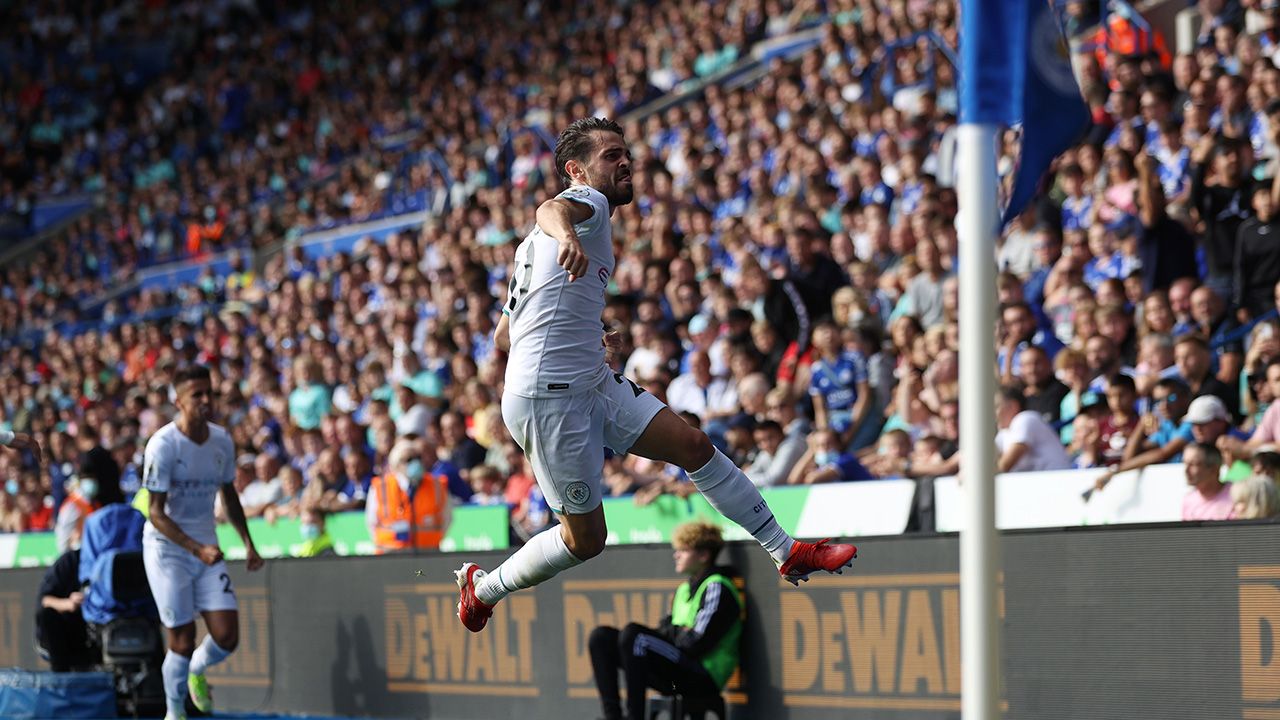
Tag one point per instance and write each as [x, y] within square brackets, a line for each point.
[191, 372]
[576, 142]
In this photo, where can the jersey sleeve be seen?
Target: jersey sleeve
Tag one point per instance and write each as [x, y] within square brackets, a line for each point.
[593, 199]
[157, 465]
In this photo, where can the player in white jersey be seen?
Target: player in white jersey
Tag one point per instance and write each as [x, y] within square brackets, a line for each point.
[563, 404]
[186, 463]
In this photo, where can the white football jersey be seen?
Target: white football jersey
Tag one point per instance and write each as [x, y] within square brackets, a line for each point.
[191, 474]
[555, 324]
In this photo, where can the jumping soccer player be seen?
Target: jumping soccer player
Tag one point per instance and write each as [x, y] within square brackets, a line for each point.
[563, 404]
[186, 463]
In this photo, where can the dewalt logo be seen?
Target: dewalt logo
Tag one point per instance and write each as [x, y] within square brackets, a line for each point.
[429, 651]
[881, 642]
[1260, 641]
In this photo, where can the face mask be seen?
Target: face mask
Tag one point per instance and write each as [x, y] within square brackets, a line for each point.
[824, 457]
[309, 531]
[414, 470]
[11, 487]
[89, 488]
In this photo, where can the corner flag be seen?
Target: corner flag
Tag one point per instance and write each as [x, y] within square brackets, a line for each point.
[1015, 67]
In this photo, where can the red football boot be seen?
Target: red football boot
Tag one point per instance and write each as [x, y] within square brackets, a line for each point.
[807, 558]
[472, 611]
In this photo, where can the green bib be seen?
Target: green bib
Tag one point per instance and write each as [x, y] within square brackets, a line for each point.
[723, 658]
[314, 547]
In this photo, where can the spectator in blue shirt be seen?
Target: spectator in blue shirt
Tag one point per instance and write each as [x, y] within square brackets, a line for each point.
[1077, 207]
[824, 462]
[875, 191]
[838, 384]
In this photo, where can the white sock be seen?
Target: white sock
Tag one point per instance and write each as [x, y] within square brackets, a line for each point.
[542, 558]
[174, 671]
[734, 495]
[208, 654]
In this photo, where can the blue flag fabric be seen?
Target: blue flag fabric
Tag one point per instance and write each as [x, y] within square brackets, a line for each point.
[993, 48]
[1015, 67]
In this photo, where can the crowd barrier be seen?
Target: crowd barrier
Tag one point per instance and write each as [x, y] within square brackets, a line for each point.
[474, 528]
[1171, 622]
[854, 509]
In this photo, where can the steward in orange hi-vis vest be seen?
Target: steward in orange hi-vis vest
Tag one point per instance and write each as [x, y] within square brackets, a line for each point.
[412, 518]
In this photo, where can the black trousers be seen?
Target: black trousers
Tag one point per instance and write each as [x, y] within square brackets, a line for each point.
[648, 660]
[65, 637]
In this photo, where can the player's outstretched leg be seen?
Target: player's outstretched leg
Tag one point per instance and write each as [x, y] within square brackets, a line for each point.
[577, 539]
[732, 494]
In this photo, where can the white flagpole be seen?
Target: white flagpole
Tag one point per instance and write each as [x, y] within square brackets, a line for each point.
[976, 227]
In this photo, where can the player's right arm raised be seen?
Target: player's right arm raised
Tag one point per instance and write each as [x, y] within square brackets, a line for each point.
[557, 217]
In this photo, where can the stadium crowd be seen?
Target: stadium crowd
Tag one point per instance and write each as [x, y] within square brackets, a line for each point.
[786, 277]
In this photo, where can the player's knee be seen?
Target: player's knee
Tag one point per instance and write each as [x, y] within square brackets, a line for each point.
[182, 645]
[227, 640]
[698, 450]
[586, 547]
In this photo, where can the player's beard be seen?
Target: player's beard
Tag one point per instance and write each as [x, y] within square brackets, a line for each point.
[622, 194]
[614, 190]
[203, 413]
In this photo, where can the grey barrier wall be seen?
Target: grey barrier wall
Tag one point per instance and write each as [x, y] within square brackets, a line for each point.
[1163, 622]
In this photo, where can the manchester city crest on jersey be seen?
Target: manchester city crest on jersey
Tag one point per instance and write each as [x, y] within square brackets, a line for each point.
[577, 492]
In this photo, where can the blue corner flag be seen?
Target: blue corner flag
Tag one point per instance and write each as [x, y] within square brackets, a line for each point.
[1015, 67]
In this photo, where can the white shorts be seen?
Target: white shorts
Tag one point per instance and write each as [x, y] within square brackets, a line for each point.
[565, 437]
[182, 585]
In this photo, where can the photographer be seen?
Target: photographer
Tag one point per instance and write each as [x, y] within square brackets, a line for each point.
[60, 628]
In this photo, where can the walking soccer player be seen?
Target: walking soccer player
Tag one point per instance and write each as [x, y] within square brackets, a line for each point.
[564, 405]
[186, 463]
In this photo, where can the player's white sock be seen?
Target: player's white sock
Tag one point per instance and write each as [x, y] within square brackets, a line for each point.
[209, 653]
[734, 495]
[174, 669]
[542, 558]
